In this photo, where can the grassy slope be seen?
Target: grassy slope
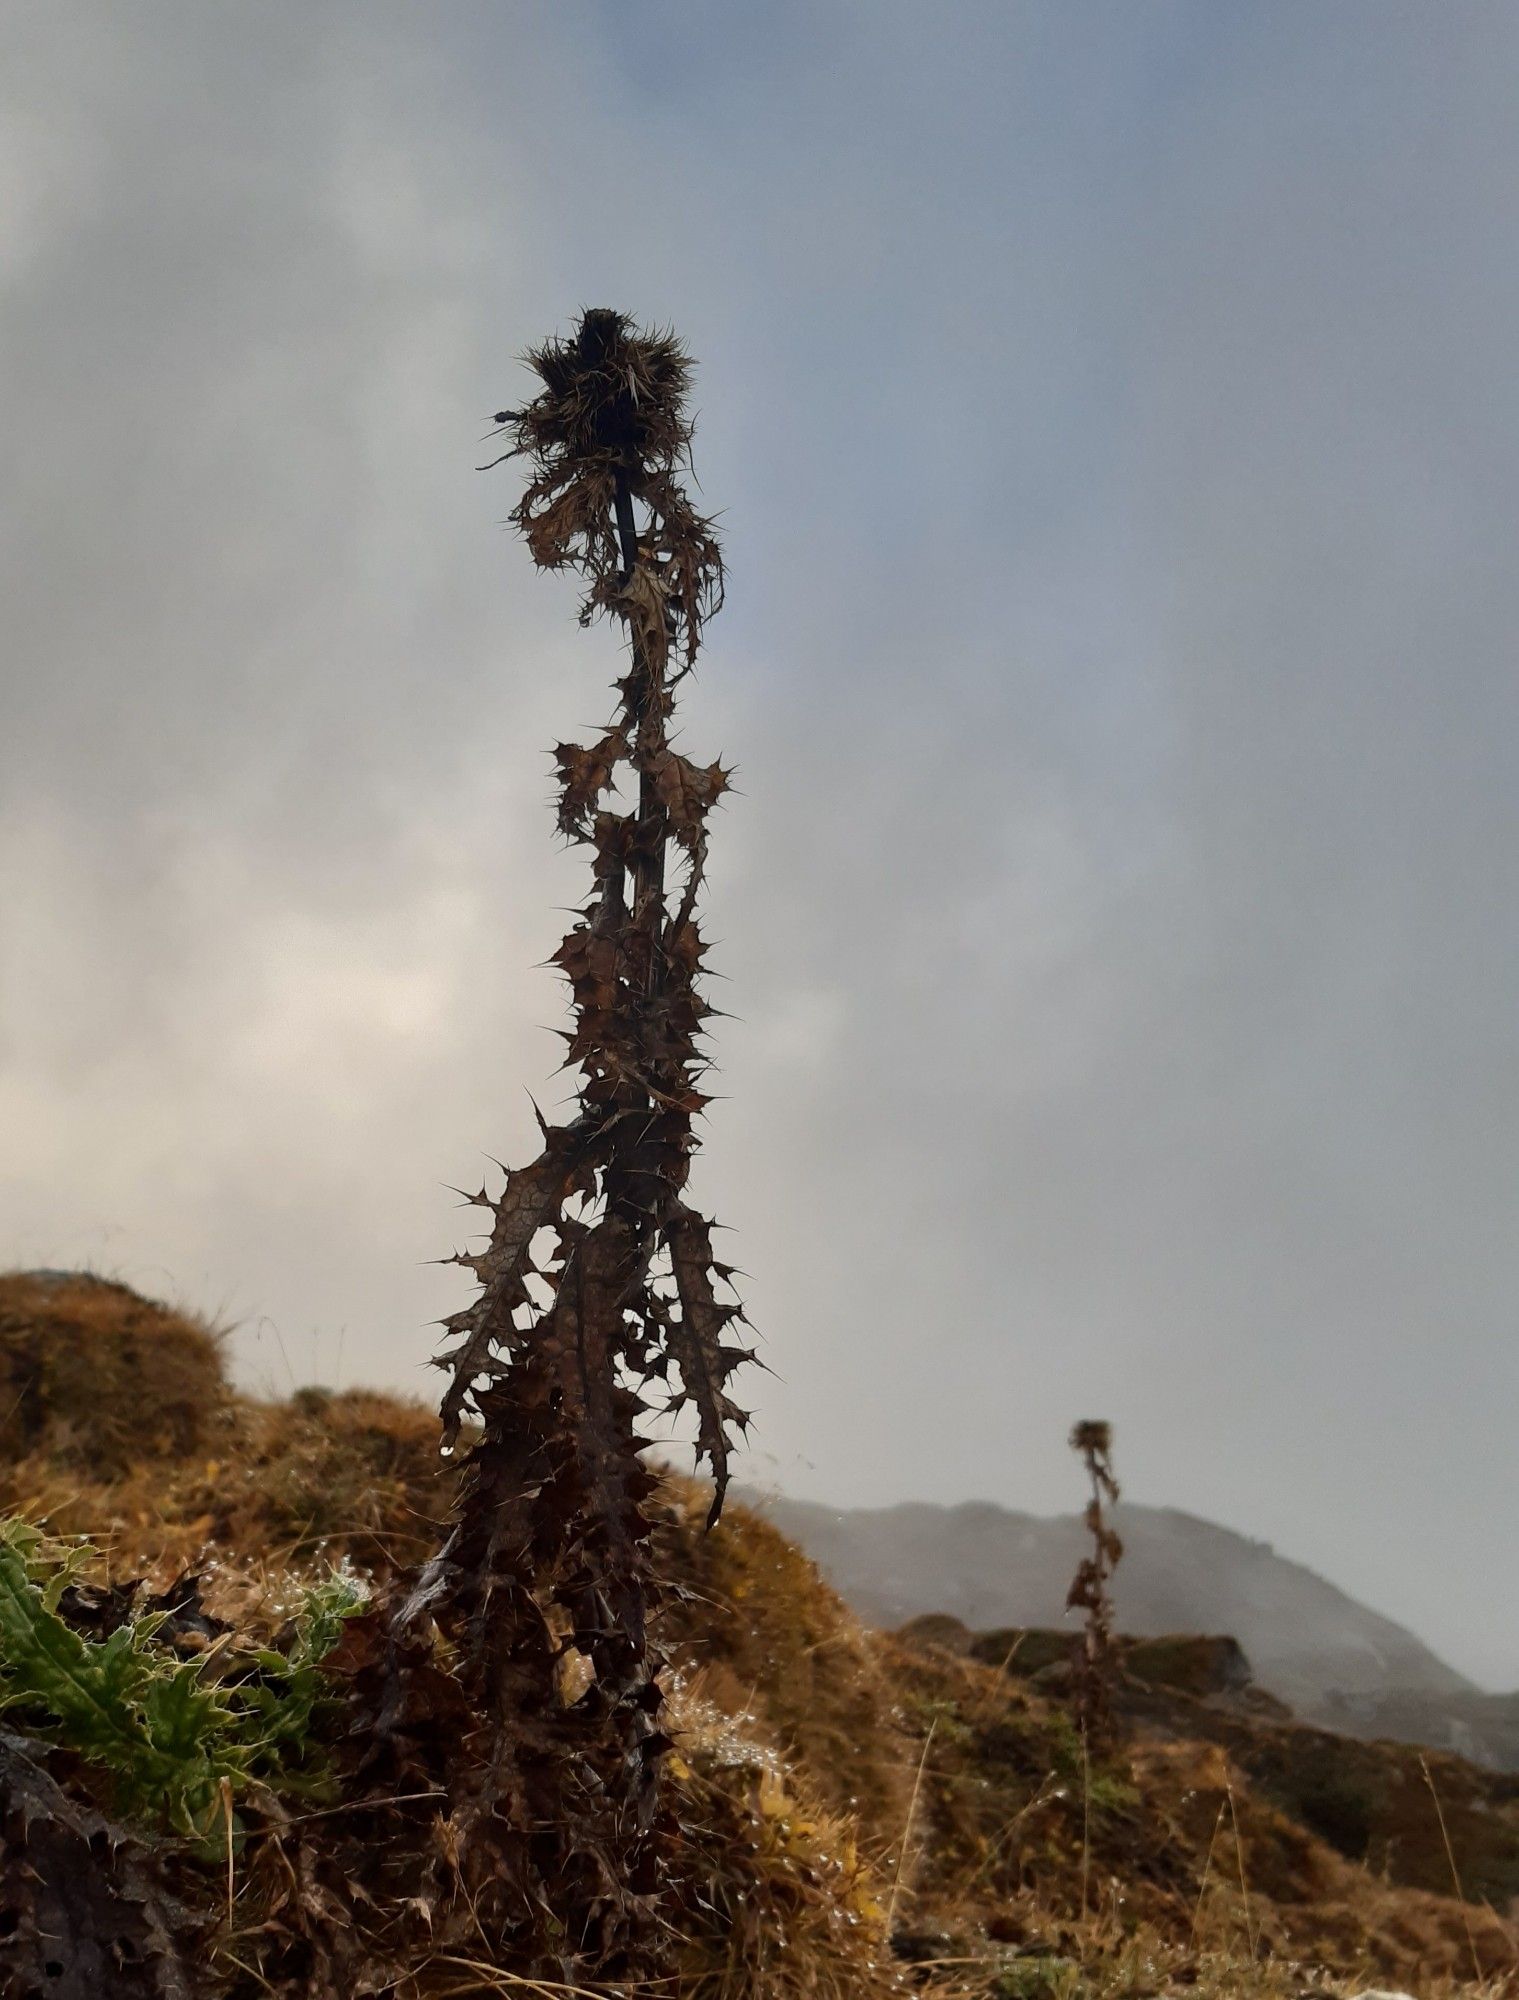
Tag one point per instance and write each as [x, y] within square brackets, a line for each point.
[835, 1785]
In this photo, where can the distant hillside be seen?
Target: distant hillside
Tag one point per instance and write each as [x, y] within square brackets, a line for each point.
[1307, 1641]
[1483, 1728]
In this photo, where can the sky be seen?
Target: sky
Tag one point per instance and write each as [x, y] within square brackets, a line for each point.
[1112, 416]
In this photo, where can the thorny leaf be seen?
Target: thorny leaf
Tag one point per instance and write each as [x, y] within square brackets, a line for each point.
[585, 772]
[533, 1197]
[688, 793]
[704, 1363]
[84, 1909]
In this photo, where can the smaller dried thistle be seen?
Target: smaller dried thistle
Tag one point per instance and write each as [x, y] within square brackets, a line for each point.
[1092, 1435]
[1096, 1656]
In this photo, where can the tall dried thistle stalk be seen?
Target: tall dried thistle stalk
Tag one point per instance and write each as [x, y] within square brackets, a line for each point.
[544, 1587]
[1096, 1656]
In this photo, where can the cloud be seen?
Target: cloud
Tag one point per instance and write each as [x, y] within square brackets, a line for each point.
[1112, 423]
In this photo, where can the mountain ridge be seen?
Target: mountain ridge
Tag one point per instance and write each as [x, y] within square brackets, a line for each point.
[1308, 1641]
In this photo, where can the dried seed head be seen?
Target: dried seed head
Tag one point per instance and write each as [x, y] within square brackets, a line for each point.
[1092, 1435]
[609, 428]
[609, 390]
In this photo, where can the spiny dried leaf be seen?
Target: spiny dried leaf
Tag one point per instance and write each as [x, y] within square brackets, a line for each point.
[704, 1363]
[533, 1197]
[84, 1910]
[585, 772]
[591, 962]
[643, 599]
[688, 793]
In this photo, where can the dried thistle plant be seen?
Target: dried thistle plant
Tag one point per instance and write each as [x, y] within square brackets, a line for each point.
[543, 1591]
[1096, 1656]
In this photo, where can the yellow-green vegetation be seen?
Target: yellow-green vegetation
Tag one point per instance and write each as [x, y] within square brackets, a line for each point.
[173, 1737]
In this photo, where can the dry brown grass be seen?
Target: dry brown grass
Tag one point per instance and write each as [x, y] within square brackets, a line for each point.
[96, 1376]
[288, 1485]
[777, 1649]
[775, 1895]
[1010, 1831]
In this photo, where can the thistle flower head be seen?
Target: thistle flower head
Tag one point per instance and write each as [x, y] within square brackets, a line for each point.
[1092, 1436]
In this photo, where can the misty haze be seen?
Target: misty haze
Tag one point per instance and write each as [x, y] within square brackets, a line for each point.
[1099, 917]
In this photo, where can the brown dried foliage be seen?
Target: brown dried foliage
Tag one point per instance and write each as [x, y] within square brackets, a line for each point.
[1096, 1663]
[543, 1591]
[85, 1906]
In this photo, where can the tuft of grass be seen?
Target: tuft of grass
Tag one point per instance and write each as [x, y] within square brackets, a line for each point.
[100, 1377]
[1036, 1979]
